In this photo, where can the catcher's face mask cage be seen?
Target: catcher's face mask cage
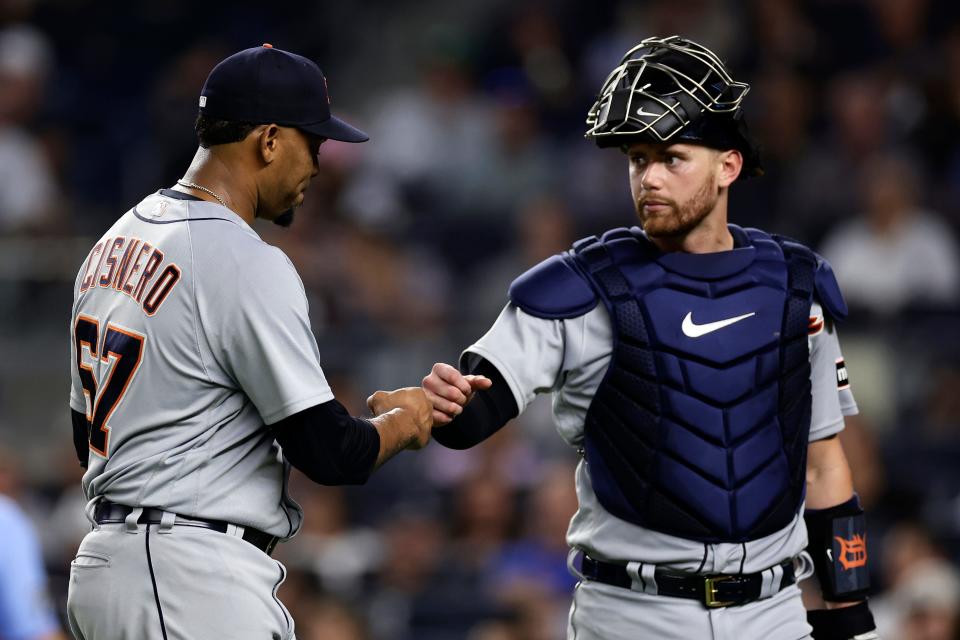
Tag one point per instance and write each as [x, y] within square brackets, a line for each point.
[671, 89]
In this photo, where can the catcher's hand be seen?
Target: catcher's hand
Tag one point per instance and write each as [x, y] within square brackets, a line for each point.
[450, 391]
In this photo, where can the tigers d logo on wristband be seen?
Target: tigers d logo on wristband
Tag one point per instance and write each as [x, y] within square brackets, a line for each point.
[853, 551]
[848, 557]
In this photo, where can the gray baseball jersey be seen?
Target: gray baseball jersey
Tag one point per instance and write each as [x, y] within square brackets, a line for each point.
[569, 359]
[190, 334]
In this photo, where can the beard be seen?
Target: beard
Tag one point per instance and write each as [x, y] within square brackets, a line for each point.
[680, 219]
[285, 219]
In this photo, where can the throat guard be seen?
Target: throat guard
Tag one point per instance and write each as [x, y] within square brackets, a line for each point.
[699, 428]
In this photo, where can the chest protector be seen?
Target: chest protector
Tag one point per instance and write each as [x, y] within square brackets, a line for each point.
[700, 426]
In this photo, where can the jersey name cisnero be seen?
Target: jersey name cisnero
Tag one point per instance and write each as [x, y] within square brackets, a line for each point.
[128, 265]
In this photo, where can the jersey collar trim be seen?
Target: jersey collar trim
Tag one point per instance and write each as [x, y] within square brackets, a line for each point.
[195, 209]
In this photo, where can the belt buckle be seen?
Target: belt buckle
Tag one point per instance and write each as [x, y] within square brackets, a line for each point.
[710, 595]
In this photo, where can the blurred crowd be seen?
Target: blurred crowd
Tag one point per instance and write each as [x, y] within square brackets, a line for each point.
[476, 170]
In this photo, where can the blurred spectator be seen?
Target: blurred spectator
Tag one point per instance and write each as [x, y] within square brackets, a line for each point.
[339, 556]
[780, 119]
[531, 574]
[895, 253]
[818, 190]
[25, 610]
[325, 618]
[427, 590]
[507, 455]
[160, 155]
[533, 40]
[499, 630]
[397, 287]
[902, 25]
[539, 559]
[922, 455]
[940, 130]
[925, 604]
[712, 21]
[449, 125]
[414, 542]
[484, 518]
[28, 192]
[782, 36]
[519, 163]
[941, 425]
[541, 227]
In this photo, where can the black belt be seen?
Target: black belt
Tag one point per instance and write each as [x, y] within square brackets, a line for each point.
[112, 513]
[712, 590]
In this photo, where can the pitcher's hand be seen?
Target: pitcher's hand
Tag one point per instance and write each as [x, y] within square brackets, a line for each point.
[413, 414]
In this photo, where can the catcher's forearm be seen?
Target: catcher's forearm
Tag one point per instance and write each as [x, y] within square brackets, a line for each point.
[829, 481]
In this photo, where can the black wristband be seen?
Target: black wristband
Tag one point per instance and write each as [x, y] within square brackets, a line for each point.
[841, 624]
[838, 546]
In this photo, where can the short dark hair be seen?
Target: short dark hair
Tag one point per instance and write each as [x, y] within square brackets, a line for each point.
[211, 131]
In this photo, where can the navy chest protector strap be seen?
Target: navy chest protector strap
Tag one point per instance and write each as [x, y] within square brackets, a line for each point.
[699, 428]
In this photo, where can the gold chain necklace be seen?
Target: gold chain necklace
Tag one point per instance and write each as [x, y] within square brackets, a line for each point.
[193, 185]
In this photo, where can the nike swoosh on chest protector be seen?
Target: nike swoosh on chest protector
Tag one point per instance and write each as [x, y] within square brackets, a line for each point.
[693, 330]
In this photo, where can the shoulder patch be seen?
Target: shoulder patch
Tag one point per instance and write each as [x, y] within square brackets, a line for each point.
[828, 290]
[815, 325]
[554, 290]
[843, 378]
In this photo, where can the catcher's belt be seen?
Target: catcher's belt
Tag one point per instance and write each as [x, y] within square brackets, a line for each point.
[714, 591]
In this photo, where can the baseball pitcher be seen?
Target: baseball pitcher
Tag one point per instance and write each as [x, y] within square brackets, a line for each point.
[197, 379]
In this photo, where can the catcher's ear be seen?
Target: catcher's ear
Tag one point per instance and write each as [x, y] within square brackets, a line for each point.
[730, 165]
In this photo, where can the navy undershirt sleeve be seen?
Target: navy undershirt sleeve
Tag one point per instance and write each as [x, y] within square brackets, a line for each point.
[487, 412]
[80, 437]
[329, 445]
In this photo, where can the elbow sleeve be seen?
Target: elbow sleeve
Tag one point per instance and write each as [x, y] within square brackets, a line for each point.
[329, 445]
[487, 412]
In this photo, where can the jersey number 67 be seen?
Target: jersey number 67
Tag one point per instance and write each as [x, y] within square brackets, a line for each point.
[126, 348]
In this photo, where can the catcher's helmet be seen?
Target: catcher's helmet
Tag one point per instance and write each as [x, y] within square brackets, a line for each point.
[672, 90]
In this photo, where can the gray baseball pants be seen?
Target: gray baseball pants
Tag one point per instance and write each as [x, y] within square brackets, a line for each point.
[604, 612]
[159, 582]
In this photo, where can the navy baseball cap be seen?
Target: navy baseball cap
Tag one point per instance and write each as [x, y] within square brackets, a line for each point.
[268, 85]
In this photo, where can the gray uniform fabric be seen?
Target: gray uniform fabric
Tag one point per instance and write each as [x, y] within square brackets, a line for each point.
[210, 585]
[603, 612]
[568, 359]
[228, 351]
